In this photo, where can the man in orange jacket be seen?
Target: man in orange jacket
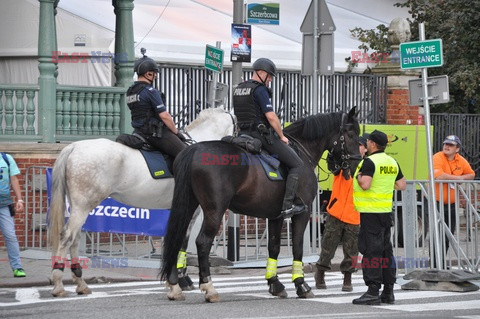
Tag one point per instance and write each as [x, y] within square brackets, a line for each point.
[342, 226]
[449, 165]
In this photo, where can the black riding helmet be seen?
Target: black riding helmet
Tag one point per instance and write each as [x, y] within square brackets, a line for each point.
[145, 65]
[266, 65]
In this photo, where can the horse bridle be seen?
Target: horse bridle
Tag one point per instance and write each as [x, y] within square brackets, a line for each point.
[342, 163]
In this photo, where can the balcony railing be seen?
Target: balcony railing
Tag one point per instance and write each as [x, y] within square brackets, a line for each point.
[80, 112]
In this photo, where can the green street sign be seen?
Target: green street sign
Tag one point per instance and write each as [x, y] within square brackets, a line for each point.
[421, 54]
[263, 13]
[214, 58]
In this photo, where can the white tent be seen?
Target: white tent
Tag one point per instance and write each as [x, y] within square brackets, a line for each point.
[19, 29]
[173, 31]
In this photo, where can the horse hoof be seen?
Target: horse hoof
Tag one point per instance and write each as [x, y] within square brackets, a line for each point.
[303, 289]
[84, 291]
[308, 294]
[175, 297]
[276, 288]
[281, 294]
[175, 292]
[211, 295]
[212, 298]
[60, 293]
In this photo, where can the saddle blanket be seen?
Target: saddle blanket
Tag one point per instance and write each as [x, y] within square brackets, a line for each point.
[274, 171]
[157, 164]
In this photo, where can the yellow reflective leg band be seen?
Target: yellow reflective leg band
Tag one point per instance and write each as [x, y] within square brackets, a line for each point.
[182, 259]
[271, 268]
[297, 269]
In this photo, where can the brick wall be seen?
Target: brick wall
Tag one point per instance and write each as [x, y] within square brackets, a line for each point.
[399, 110]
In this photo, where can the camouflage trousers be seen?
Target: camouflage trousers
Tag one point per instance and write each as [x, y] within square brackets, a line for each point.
[337, 232]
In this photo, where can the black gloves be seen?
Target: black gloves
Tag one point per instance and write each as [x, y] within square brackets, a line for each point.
[181, 136]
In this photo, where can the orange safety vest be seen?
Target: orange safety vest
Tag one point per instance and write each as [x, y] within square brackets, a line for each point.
[341, 201]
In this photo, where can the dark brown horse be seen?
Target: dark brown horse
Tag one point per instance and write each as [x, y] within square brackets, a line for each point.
[245, 189]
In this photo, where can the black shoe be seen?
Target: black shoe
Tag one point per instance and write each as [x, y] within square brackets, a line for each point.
[367, 299]
[294, 210]
[387, 294]
[390, 299]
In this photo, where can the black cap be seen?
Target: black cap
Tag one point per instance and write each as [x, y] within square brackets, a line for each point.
[378, 137]
[362, 140]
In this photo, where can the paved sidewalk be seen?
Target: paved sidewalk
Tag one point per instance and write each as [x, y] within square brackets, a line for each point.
[38, 267]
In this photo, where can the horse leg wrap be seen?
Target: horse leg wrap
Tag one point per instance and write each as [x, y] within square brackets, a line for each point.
[184, 279]
[60, 266]
[271, 270]
[77, 270]
[276, 288]
[182, 259]
[302, 287]
[297, 270]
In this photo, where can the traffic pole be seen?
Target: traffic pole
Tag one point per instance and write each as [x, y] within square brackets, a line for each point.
[431, 182]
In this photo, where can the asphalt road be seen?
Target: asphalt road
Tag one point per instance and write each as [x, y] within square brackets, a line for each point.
[240, 297]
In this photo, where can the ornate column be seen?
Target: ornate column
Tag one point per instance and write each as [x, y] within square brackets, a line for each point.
[399, 110]
[124, 55]
[47, 42]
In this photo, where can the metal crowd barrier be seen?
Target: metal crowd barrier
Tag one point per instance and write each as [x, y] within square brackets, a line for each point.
[412, 234]
[418, 228]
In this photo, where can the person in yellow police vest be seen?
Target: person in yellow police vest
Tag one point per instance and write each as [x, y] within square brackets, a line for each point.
[374, 182]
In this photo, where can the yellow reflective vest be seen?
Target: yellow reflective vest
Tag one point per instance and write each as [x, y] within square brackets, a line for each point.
[378, 198]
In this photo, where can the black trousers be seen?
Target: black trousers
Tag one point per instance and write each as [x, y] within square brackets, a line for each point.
[284, 153]
[169, 143]
[450, 219]
[374, 243]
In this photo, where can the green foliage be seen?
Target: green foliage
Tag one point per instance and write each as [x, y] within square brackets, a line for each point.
[457, 23]
[374, 39]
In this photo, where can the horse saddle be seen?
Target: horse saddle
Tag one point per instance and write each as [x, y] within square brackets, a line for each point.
[256, 155]
[159, 164]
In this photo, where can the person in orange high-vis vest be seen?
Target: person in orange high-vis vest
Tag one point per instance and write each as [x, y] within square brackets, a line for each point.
[342, 226]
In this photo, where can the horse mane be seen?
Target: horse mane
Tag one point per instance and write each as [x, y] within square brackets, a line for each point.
[315, 126]
[203, 116]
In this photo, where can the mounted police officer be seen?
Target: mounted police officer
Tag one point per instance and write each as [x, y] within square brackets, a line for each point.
[150, 118]
[254, 111]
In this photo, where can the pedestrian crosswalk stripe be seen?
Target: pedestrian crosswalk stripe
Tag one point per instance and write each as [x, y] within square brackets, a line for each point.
[449, 305]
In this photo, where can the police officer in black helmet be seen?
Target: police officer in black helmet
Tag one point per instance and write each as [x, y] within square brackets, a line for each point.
[150, 117]
[256, 117]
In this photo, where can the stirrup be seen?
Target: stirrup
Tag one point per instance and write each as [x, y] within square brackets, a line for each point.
[292, 211]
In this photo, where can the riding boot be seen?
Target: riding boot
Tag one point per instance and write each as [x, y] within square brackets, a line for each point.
[387, 294]
[347, 281]
[290, 209]
[371, 297]
[320, 279]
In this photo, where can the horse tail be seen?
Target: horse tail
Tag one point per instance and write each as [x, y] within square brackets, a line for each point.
[56, 218]
[184, 203]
